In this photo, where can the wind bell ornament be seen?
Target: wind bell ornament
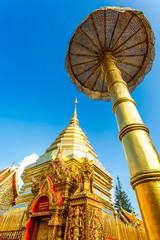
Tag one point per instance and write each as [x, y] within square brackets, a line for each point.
[109, 54]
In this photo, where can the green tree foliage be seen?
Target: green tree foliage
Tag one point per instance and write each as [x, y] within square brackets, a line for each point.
[121, 198]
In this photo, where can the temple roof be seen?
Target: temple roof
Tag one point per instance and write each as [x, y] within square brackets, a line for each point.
[2, 172]
[130, 218]
[6, 174]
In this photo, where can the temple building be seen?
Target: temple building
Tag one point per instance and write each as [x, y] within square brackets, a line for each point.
[8, 188]
[66, 195]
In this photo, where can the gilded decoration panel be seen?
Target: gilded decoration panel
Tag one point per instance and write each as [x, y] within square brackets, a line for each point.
[6, 195]
[95, 223]
[11, 235]
[76, 223]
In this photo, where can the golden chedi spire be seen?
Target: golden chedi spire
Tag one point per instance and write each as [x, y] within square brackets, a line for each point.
[74, 119]
[73, 140]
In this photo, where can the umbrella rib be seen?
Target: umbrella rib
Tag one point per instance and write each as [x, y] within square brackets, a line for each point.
[86, 70]
[90, 76]
[125, 71]
[84, 62]
[129, 64]
[90, 50]
[96, 79]
[114, 29]
[129, 47]
[103, 82]
[90, 39]
[96, 33]
[134, 55]
[122, 31]
[82, 55]
[128, 39]
[104, 28]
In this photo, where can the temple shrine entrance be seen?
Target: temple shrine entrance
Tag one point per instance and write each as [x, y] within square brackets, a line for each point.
[37, 227]
[41, 228]
[42, 231]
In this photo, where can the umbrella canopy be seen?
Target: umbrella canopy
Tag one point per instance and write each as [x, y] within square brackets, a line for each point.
[124, 32]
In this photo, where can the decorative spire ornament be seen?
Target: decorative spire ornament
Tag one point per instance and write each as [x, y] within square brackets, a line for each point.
[74, 119]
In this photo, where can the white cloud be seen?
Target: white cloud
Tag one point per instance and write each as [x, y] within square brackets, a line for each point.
[26, 161]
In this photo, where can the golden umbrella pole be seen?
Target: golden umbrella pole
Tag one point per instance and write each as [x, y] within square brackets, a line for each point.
[109, 54]
[141, 155]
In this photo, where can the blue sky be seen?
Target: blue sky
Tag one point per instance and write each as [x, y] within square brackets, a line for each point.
[36, 96]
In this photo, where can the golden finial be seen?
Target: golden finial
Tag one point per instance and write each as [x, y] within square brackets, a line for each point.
[74, 119]
[115, 213]
[76, 102]
[134, 213]
[138, 224]
[12, 164]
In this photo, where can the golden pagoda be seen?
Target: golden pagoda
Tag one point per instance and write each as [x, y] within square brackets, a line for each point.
[66, 196]
[75, 148]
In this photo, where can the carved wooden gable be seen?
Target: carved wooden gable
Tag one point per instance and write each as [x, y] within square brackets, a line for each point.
[47, 190]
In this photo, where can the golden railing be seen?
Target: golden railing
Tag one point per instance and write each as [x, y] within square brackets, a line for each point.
[11, 235]
[114, 228]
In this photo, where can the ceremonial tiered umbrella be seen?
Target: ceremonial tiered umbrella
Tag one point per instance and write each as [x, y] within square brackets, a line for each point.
[109, 54]
[125, 33]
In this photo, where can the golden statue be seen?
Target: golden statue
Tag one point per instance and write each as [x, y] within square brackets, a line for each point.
[96, 226]
[76, 225]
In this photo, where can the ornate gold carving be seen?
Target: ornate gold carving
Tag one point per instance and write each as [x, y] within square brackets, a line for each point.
[6, 195]
[76, 224]
[59, 172]
[11, 235]
[35, 186]
[56, 233]
[85, 177]
[45, 189]
[72, 173]
[56, 172]
[56, 177]
[95, 224]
